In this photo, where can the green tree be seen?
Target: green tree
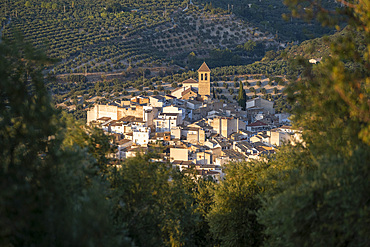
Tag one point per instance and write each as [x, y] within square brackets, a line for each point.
[324, 200]
[92, 139]
[49, 191]
[233, 219]
[154, 202]
[249, 45]
[204, 200]
[242, 97]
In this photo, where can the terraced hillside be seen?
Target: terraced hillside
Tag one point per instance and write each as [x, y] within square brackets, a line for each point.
[89, 33]
[113, 35]
[268, 16]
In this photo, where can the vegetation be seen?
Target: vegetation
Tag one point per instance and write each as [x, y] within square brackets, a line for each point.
[267, 16]
[51, 190]
[115, 36]
[242, 97]
[127, 36]
[110, 36]
[60, 186]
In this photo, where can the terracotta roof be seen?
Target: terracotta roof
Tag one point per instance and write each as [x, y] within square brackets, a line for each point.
[123, 141]
[204, 68]
[232, 154]
[103, 119]
[190, 89]
[131, 119]
[191, 80]
[191, 128]
[116, 123]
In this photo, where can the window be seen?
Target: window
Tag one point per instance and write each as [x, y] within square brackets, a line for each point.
[201, 77]
[205, 76]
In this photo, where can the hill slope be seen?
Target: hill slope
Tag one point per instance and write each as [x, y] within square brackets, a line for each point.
[112, 35]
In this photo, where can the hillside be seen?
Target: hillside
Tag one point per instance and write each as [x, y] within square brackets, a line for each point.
[278, 63]
[109, 36]
[265, 78]
[268, 16]
[113, 36]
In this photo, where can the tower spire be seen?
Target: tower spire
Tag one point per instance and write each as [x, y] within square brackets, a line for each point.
[204, 84]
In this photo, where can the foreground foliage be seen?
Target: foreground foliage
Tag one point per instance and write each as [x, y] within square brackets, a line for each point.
[153, 201]
[324, 201]
[60, 188]
[50, 194]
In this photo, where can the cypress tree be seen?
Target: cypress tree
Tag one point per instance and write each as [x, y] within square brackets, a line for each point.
[242, 97]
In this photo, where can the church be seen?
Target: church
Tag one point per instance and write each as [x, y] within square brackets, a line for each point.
[191, 87]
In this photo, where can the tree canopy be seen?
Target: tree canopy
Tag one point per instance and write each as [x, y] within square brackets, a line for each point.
[242, 97]
[50, 193]
[59, 185]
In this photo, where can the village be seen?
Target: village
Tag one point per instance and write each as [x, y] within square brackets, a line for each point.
[199, 134]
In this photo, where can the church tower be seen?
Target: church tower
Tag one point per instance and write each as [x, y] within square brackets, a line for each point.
[204, 82]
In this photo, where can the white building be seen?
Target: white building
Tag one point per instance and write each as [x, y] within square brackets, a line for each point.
[174, 109]
[126, 125]
[121, 148]
[141, 136]
[118, 127]
[157, 101]
[166, 121]
[178, 92]
[178, 153]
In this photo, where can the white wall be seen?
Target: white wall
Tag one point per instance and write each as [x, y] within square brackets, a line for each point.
[179, 154]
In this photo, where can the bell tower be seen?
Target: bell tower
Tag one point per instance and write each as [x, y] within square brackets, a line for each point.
[204, 82]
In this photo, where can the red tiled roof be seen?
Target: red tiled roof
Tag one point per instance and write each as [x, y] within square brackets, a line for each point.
[204, 68]
[188, 91]
[191, 80]
[104, 118]
[123, 141]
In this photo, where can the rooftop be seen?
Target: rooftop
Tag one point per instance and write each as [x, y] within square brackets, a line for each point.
[131, 119]
[204, 68]
[257, 123]
[232, 154]
[123, 141]
[190, 89]
[191, 80]
[103, 119]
